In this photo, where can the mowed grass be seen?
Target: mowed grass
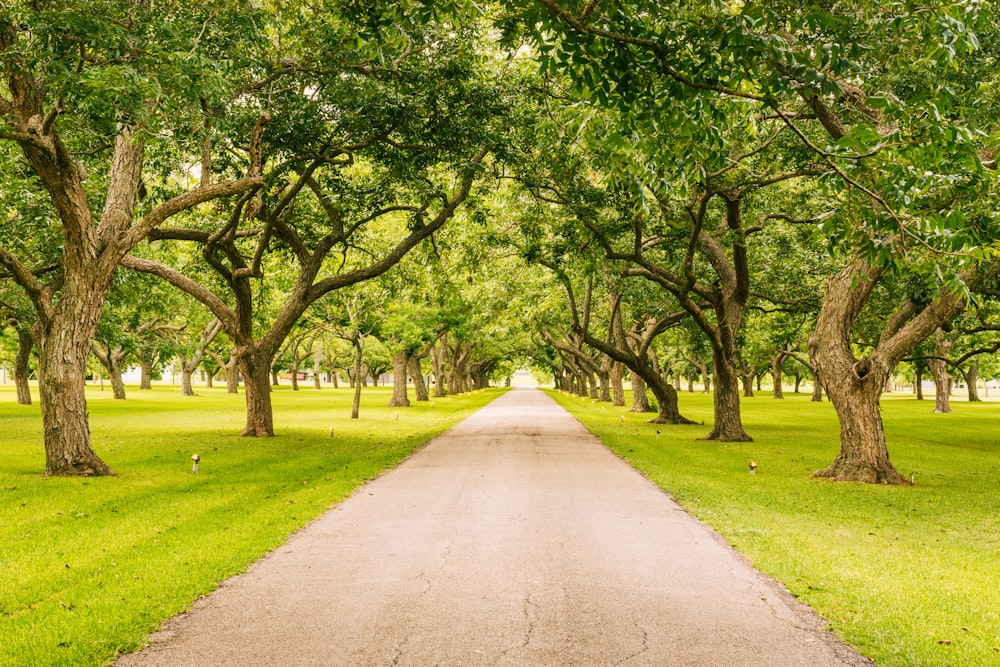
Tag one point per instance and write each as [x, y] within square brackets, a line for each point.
[89, 567]
[911, 576]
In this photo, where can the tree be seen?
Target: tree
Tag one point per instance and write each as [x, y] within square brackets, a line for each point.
[101, 82]
[379, 164]
[900, 148]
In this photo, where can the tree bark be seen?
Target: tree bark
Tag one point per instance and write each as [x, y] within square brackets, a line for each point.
[777, 390]
[145, 374]
[419, 386]
[939, 370]
[317, 356]
[186, 372]
[817, 392]
[62, 369]
[605, 377]
[21, 363]
[855, 385]
[439, 356]
[728, 425]
[359, 348]
[617, 384]
[111, 359]
[640, 401]
[400, 364]
[747, 380]
[255, 367]
[972, 380]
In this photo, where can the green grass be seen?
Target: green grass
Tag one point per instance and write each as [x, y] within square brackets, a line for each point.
[911, 576]
[89, 567]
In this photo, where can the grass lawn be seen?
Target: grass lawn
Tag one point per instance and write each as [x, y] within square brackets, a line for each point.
[89, 567]
[911, 576]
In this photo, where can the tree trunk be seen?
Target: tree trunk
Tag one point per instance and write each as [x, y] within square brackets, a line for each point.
[275, 382]
[817, 393]
[617, 385]
[21, 362]
[972, 380]
[438, 358]
[145, 374]
[703, 373]
[918, 379]
[605, 378]
[209, 379]
[115, 360]
[419, 386]
[747, 379]
[939, 369]
[400, 362]
[295, 374]
[359, 347]
[863, 455]
[666, 400]
[640, 401]
[232, 376]
[726, 403]
[112, 360]
[317, 356]
[256, 370]
[186, 372]
[855, 385]
[62, 369]
[777, 391]
[798, 382]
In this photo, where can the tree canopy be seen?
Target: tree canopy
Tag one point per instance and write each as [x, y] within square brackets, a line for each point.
[608, 191]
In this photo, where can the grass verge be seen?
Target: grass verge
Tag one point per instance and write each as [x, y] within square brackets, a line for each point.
[89, 567]
[911, 576]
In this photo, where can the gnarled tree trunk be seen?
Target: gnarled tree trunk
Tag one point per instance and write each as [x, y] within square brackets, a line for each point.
[62, 369]
[855, 385]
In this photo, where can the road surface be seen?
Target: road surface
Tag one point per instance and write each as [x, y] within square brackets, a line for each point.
[516, 538]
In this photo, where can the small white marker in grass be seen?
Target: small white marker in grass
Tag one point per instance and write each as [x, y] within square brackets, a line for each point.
[330, 431]
[397, 415]
[753, 467]
[196, 459]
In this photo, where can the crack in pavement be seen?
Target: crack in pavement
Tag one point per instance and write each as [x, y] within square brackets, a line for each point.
[529, 632]
[644, 649]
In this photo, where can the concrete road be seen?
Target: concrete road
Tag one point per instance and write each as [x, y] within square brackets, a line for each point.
[514, 539]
